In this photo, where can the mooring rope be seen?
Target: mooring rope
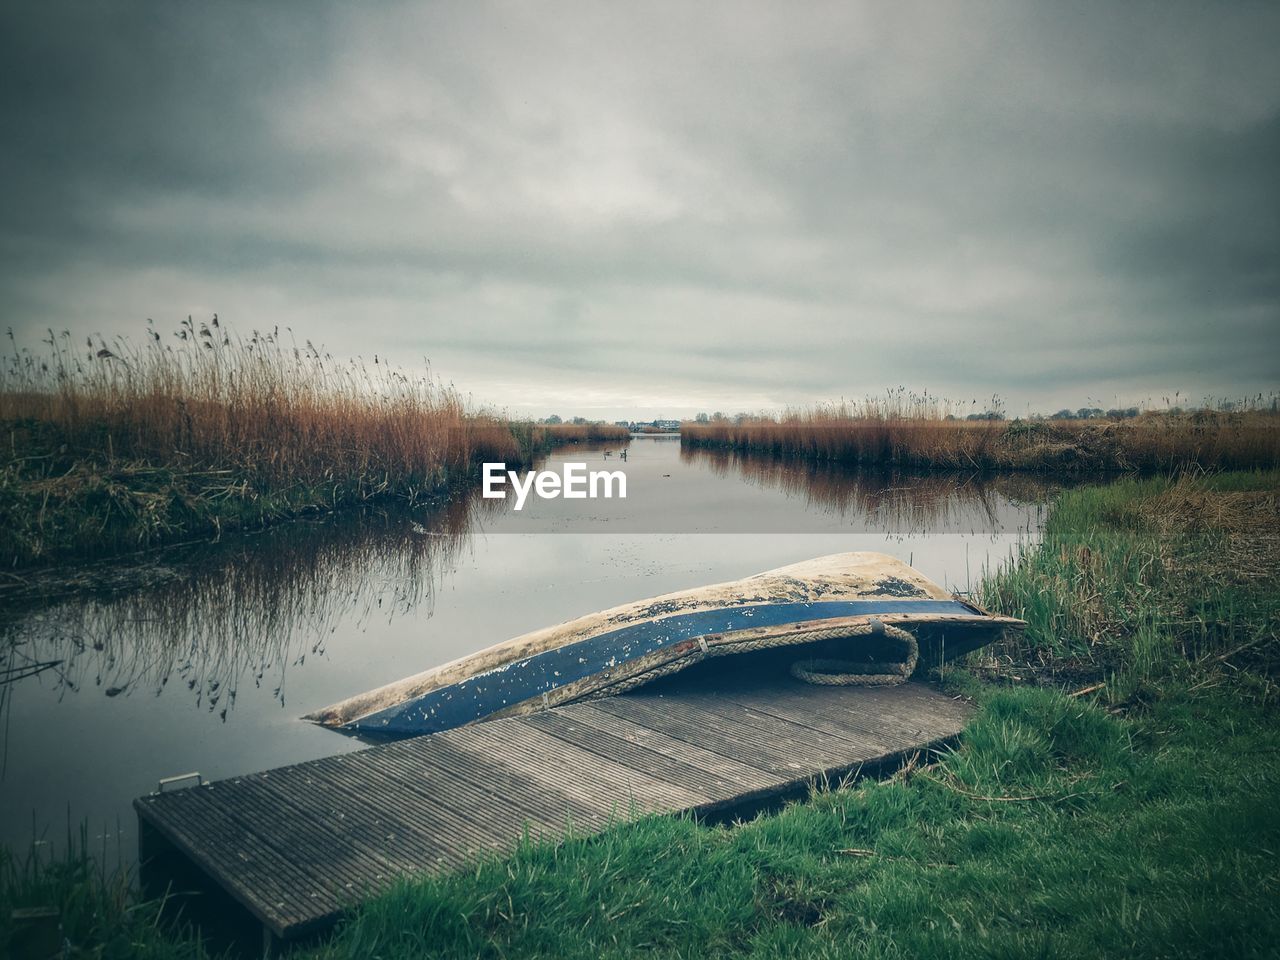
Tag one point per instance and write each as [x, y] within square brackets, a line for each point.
[839, 673]
[824, 672]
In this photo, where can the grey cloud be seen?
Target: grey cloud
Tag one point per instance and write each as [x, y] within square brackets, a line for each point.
[747, 203]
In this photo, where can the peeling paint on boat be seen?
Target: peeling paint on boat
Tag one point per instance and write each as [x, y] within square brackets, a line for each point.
[593, 653]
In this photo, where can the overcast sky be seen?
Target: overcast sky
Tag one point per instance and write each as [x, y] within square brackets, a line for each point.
[649, 209]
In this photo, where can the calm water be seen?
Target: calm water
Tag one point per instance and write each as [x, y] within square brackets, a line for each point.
[202, 658]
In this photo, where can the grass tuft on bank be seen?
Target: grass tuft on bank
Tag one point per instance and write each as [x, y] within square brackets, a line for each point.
[1144, 582]
[68, 905]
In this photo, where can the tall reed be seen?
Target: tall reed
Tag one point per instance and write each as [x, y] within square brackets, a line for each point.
[909, 431]
[268, 410]
[113, 444]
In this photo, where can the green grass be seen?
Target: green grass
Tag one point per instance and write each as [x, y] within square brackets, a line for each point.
[99, 912]
[1138, 820]
[1100, 836]
[1146, 581]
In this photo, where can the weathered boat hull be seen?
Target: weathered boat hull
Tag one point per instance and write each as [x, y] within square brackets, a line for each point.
[825, 603]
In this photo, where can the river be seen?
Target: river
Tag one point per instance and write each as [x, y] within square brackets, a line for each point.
[202, 657]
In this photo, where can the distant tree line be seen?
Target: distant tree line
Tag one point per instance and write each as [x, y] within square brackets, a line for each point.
[577, 421]
[1097, 413]
[995, 414]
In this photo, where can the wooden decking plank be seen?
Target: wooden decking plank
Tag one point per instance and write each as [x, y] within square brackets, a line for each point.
[451, 835]
[519, 747]
[714, 734]
[247, 866]
[634, 779]
[830, 747]
[325, 841]
[576, 730]
[656, 710]
[609, 803]
[503, 784]
[915, 708]
[598, 714]
[484, 750]
[780, 762]
[497, 824]
[205, 841]
[845, 717]
[302, 822]
[878, 716]
[529, 797]
[859, 707]
[728, 717]
[906, 704]
[494, 822]
[447, 834]
[554, 760]
[822, 719]
[697, 783]
[334, 867]
[262, 827]
[300, 843]
[417, 810]
[873, 724]
[357, 831]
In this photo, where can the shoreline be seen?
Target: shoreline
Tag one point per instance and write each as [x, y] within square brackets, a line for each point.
[61, 504]
[1138, 707]
[1149, 444]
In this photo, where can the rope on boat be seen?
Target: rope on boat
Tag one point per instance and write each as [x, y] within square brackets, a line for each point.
[838, 673]
[824, 672]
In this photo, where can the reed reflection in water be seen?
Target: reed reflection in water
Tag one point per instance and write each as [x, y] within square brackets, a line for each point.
[211, 617]
[889, 501]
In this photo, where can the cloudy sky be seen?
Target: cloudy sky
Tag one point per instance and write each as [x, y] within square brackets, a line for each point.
[654, 209]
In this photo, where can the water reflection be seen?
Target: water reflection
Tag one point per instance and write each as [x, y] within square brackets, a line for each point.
[209, 617]
[124, 672]
[887, 500]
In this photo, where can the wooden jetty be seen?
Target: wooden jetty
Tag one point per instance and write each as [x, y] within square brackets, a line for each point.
[298, 845]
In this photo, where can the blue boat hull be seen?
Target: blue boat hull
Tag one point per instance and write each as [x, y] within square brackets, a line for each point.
[602, 652]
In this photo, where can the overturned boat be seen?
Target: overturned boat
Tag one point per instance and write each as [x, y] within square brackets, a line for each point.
[846, 618]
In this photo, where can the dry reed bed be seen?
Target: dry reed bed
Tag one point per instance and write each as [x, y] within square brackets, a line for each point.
[113, 445]
[266, 411]
[1152, 442]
